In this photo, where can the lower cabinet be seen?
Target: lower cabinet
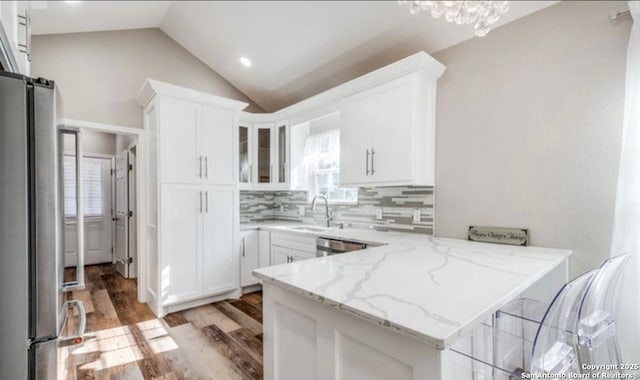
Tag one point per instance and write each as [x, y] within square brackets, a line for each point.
[249, 256]
[287, 248]
[198, 253]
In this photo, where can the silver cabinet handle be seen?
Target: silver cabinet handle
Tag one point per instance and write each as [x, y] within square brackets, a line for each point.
[250, 173]
[243, 248]
[200, 201]
[206, 202]
[206, 166]
[200, 169]
[373, 153]
[367, 162]
[82, 324]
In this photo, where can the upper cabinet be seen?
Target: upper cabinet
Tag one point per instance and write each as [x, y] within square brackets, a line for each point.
[387, 133]
[198, 142]
[16, 26]
[387, 130]
[263, 155]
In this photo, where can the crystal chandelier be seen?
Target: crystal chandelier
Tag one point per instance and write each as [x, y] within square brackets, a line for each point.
[481, 13]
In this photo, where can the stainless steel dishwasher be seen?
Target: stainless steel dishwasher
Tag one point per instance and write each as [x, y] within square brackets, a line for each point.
[327, 247]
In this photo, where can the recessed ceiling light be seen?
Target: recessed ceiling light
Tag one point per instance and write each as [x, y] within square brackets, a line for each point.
[245, 61]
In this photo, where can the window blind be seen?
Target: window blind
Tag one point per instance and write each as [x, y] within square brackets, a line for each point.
[92, 188]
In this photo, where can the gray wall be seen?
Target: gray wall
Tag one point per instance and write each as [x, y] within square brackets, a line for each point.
[529, 129]
[92, 142]
[100, 73]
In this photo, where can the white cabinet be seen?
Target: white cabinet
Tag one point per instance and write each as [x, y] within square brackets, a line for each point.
[388, 133]
[287, 248]
[199, 141]
[182, 243]
[192, 196]
[263, 155]
[220, 260]
[249, 256]
[16, 23]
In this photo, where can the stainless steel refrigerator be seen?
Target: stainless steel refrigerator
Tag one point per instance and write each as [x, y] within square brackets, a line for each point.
[33, 308]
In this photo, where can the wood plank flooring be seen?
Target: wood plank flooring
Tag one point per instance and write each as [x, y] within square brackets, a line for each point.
[124, 340]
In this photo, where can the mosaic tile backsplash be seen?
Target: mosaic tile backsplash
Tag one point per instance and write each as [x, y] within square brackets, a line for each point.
[397, 204]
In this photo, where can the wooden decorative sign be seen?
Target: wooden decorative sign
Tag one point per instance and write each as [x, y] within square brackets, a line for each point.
[499, 235]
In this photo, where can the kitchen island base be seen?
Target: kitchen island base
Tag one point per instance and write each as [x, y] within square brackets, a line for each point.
[308, 339]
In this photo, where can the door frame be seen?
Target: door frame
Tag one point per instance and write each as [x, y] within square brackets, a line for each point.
[140, 207]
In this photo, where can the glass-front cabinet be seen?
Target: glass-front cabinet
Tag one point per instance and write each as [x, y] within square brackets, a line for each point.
[263, 153]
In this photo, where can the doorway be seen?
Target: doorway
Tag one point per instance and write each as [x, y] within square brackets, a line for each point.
[108, 200]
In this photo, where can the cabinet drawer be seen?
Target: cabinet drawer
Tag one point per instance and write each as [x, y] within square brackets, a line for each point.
[301, 244]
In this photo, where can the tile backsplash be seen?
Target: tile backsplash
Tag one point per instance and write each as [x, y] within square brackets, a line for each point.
[397, 205]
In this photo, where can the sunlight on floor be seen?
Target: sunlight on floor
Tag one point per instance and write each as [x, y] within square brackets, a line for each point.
[117, 346]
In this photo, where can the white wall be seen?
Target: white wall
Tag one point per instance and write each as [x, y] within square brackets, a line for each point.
[529, 129]
[92, 142]
[99, 73]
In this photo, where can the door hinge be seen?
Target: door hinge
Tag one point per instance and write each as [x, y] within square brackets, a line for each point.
[130, 214]
[130, 167]
[112, 171]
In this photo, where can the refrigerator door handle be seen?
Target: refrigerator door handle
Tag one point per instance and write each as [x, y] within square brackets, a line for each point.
[78, 284]
[78, 337]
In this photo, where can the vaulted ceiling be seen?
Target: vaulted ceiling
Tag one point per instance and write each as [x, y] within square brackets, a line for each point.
[298, 48]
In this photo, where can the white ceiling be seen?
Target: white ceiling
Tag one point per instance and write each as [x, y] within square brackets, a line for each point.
[298, 48]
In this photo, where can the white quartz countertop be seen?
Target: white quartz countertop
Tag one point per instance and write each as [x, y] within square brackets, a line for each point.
[431, 288]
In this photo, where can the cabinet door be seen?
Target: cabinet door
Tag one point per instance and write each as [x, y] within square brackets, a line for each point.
[282, 154]
[181, 236]
[220, 239]
[218, 141]
[392, 132]
[279, 255]
[355, 139]
[249, 257]
[263, 153]
[265, 248]
[245, 156]
[181, 161]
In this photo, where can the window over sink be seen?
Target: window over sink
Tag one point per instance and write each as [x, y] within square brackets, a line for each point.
[315, 152]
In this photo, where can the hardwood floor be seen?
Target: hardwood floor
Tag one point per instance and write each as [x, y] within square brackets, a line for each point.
[124, 340]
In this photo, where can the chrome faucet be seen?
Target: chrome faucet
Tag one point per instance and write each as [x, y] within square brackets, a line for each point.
[327, 217]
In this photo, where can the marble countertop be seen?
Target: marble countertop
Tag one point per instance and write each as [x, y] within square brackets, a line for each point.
[431, 288]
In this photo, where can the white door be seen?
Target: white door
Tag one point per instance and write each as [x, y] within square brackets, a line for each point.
[249, 257]
[218, 141]
[392, 136]
[181, 160]
[220, 240]
[97, 210]
[122, 213]
[355, 140]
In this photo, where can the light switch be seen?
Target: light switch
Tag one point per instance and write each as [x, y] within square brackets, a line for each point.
[379, 214]
[281, 208]
[301, 210]
[416, 216]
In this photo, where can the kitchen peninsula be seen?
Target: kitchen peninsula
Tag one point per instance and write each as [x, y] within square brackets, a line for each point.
[392, 311]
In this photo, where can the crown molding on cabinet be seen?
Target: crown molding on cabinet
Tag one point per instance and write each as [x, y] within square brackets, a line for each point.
[152, 87]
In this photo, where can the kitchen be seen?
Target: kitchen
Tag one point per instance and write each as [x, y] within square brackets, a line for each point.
[405, 141]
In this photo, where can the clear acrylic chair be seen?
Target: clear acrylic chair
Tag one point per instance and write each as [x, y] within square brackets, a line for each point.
[541, 340]
[597, 336]
[554, 347]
